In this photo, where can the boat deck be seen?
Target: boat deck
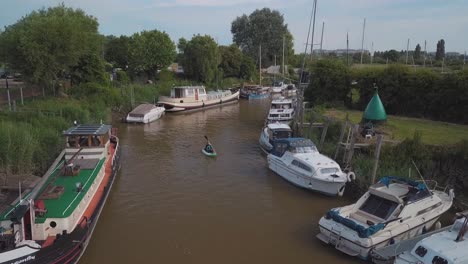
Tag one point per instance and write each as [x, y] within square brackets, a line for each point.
[59, 192]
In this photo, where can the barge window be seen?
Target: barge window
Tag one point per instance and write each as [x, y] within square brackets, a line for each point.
[378, 206]
[439, 260]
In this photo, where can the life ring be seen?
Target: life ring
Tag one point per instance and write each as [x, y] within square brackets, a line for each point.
[351, 176]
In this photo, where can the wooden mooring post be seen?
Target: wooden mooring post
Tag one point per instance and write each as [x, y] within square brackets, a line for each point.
[378, 146]
[349, 157]
[338, 146]
[324, 132]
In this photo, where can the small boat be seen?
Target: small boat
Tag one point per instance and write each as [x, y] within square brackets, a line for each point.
[278, 87]
[298, 161]
[447, 247]
[253, 92]
[290, 90]
[392, 210]
[54, 222]
[185, 98]
[209, 154]
[145, 113]
[272, 132]
[281, 110]
[209, 150]
[426, 247]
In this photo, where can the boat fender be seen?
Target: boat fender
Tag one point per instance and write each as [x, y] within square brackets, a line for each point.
[203, 105]
[392, 241]
[451, 194]
[220, 101]
[438, 225]
[341, 191]
[351, 176]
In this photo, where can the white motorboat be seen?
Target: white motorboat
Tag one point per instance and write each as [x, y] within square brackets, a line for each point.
[195, 97]
[272, 132]
[278, 87]
[281, 110]
[447, 247]
[298, 161]
[290, 90]
[145, 113]
[392, 210]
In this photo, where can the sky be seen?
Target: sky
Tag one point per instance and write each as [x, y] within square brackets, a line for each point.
[389, 23]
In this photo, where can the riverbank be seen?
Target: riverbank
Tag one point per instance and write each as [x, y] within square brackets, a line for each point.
[439, 159]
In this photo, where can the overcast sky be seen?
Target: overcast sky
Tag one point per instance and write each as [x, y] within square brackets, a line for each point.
[389, 22]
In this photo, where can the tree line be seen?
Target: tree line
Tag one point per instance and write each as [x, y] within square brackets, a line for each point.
[404, 90]
[57, 43]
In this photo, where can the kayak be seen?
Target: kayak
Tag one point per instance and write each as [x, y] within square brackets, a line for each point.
[213, 154]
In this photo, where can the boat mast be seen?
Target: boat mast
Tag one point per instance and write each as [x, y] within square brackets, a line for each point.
[321, 39]
[407, 48]
[260, 63]
[283, 57]
[301, 84]
[362, 43]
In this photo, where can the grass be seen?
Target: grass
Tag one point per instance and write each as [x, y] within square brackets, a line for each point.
[399, 128]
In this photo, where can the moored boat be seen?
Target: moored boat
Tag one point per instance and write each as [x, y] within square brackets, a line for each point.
[281, 110]
[392, 210]
[145, 113]
[185, 98]
[54, 222]
[253, 92]
[447, 247]
[273, 132]
[298, 161]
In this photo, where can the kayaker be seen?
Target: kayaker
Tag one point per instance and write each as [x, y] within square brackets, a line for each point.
[209, 148]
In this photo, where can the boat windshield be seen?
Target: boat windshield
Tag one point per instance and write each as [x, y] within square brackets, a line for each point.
[302, 146]
[379, 207]
[309, 149]
[281, 134]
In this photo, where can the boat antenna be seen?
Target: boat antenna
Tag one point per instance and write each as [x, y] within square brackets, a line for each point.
[420, 175]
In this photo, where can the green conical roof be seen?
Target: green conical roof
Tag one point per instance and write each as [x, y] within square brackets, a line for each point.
[375, 110]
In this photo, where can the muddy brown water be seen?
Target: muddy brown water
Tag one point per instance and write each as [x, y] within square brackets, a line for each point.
[171, 204]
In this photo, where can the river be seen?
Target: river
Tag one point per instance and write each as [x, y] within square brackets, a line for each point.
[171, 204]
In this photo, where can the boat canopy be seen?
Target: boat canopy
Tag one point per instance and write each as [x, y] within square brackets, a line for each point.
[86, 130]
[295, 145]
[400, 190]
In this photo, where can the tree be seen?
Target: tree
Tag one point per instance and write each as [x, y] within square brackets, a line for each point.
[440, 52]
[201, 58]
[47, 43]
[263, 27]
[151, 51]
[330, 82]
[391, 55]
[231, 60]
[247, 68]
[417, 52]
[116, 51]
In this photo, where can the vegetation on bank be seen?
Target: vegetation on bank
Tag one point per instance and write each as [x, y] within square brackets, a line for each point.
[403, 90]
[400, 128]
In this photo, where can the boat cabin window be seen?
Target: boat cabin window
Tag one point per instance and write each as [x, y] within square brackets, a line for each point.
[329, 170]
[379, 207]
[439, 260]
[414, 194]
[201, 91]
[87, 141]
[281, 134]
[301, 165]
[190, 92]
